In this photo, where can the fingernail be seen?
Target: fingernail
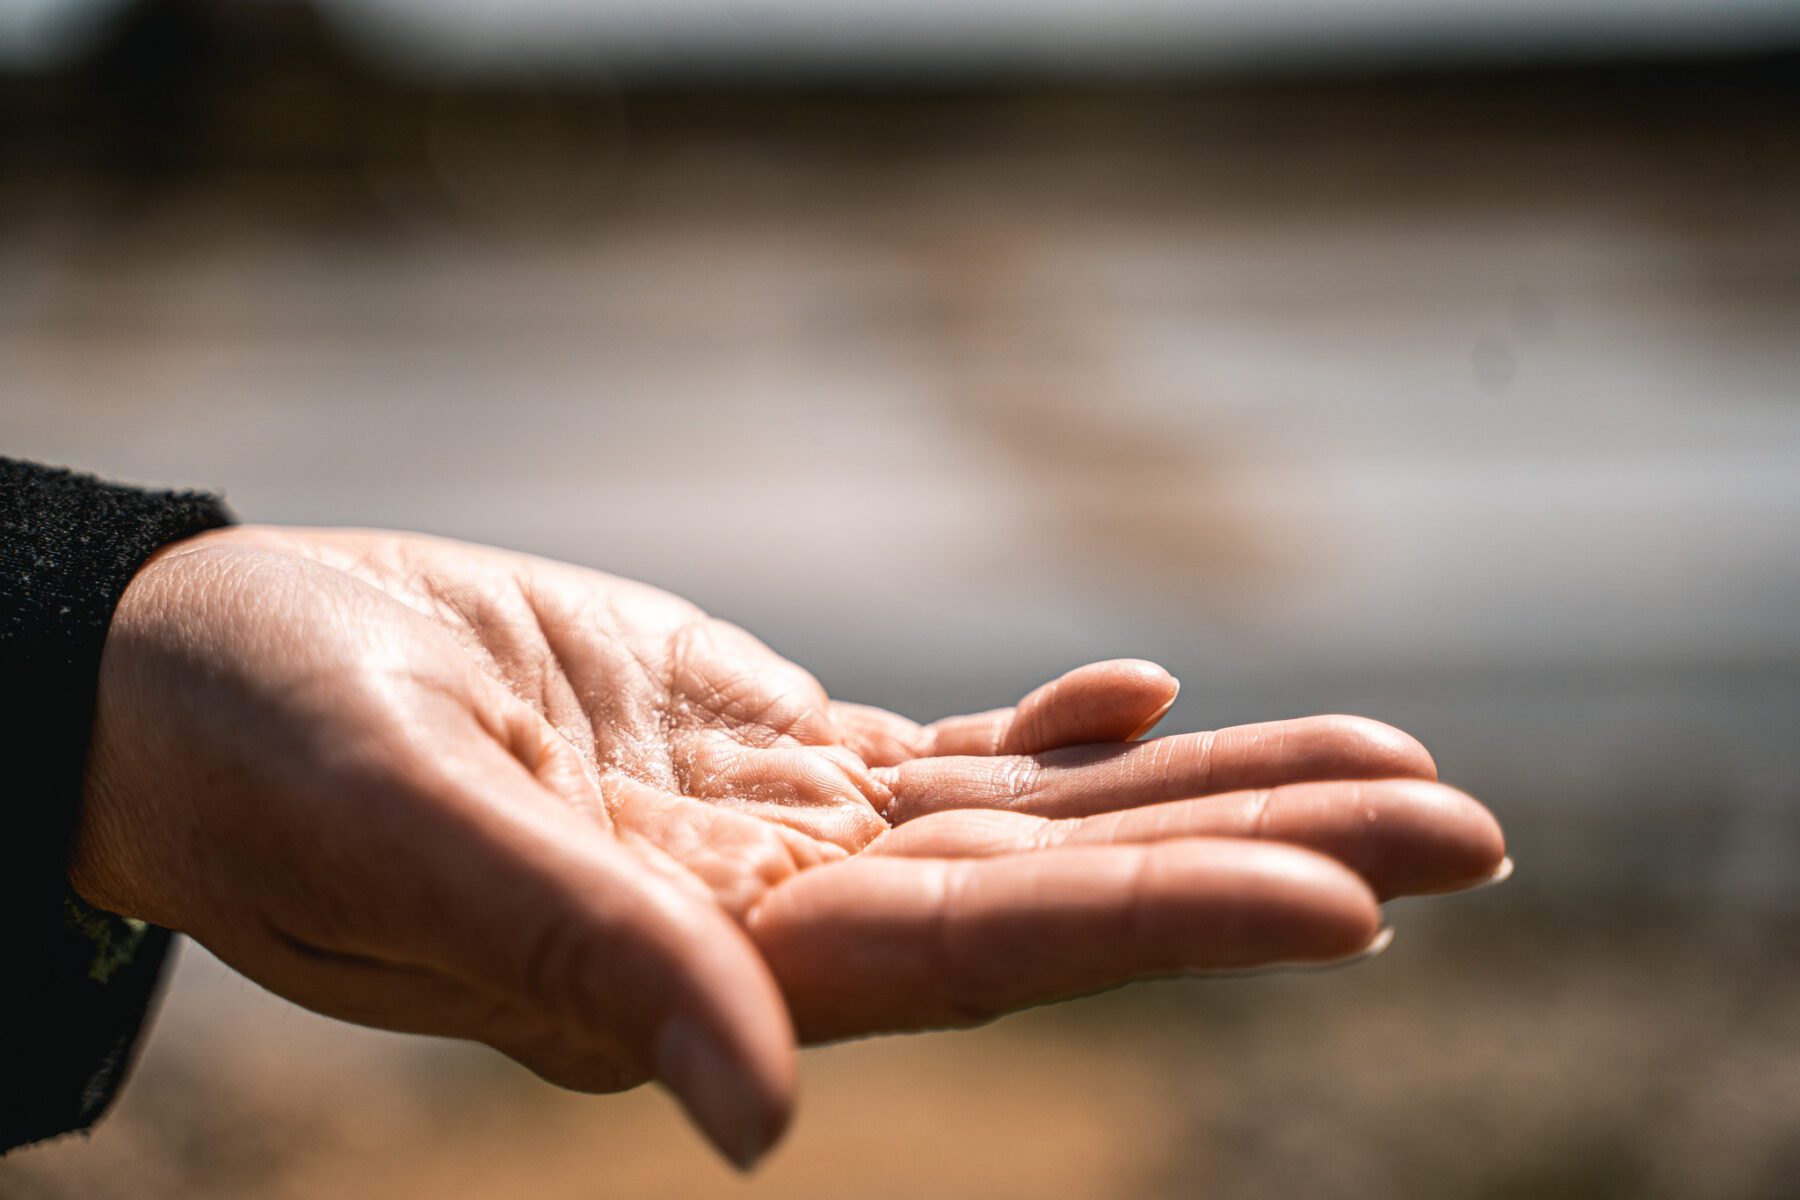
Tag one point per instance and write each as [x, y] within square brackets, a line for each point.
[1154, 721]
[1384, 937]
[713, 1089]
[1501, 874]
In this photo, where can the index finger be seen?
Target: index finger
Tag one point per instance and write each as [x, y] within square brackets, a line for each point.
[1113, 701]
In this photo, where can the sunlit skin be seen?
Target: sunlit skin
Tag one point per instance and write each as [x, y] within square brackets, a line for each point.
[441, 788]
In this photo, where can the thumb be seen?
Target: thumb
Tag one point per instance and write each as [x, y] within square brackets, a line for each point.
[628, 969]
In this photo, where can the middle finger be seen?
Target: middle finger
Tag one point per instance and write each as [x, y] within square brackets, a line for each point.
[1083, 780]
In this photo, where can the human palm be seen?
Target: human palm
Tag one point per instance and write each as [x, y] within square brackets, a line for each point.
[442, 788]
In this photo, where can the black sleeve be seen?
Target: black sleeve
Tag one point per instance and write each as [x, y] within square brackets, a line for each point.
[75, 983]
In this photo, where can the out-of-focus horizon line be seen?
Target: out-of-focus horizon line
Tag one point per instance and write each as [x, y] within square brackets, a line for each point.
[935, 40]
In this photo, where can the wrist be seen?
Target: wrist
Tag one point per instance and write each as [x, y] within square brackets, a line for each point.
[113, 853]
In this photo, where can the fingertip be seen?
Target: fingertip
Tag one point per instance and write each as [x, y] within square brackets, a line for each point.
[1156, 687]
[1112, 701]
[1349, 923]
[775, 1076]
[1479, 850]
[1138, 677]
[1325, 911]
[1501, 874]
[1151, 722]
[730, 1056]
[1148, 674]
[1375, 749]
[1433, 837]
[1286, 904]
[1473, 847]
[1384, 937]
[740, 1097]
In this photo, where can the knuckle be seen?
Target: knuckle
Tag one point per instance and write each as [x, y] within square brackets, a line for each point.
[1020, 779]
[1258, 812]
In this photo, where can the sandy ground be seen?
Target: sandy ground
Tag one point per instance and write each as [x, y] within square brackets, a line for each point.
[1481, 1058]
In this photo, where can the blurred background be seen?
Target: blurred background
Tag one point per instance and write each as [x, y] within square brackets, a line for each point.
[1433, 361]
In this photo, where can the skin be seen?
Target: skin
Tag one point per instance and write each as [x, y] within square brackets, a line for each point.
[446, 789]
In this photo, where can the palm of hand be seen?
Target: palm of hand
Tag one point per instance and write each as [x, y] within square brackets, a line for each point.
[656, 792]
[696, 745]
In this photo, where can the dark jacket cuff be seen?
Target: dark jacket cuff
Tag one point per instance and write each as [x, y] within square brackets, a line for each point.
[75, 983]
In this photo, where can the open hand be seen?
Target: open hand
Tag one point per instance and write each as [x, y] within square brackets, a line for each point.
[441, 788]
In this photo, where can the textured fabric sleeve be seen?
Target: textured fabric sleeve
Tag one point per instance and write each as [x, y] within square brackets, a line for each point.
[75, 983]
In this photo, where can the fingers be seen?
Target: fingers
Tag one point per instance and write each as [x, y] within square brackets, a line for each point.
[1405, 837]
[1082, 780]
[1112, 701]
[885, 944]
